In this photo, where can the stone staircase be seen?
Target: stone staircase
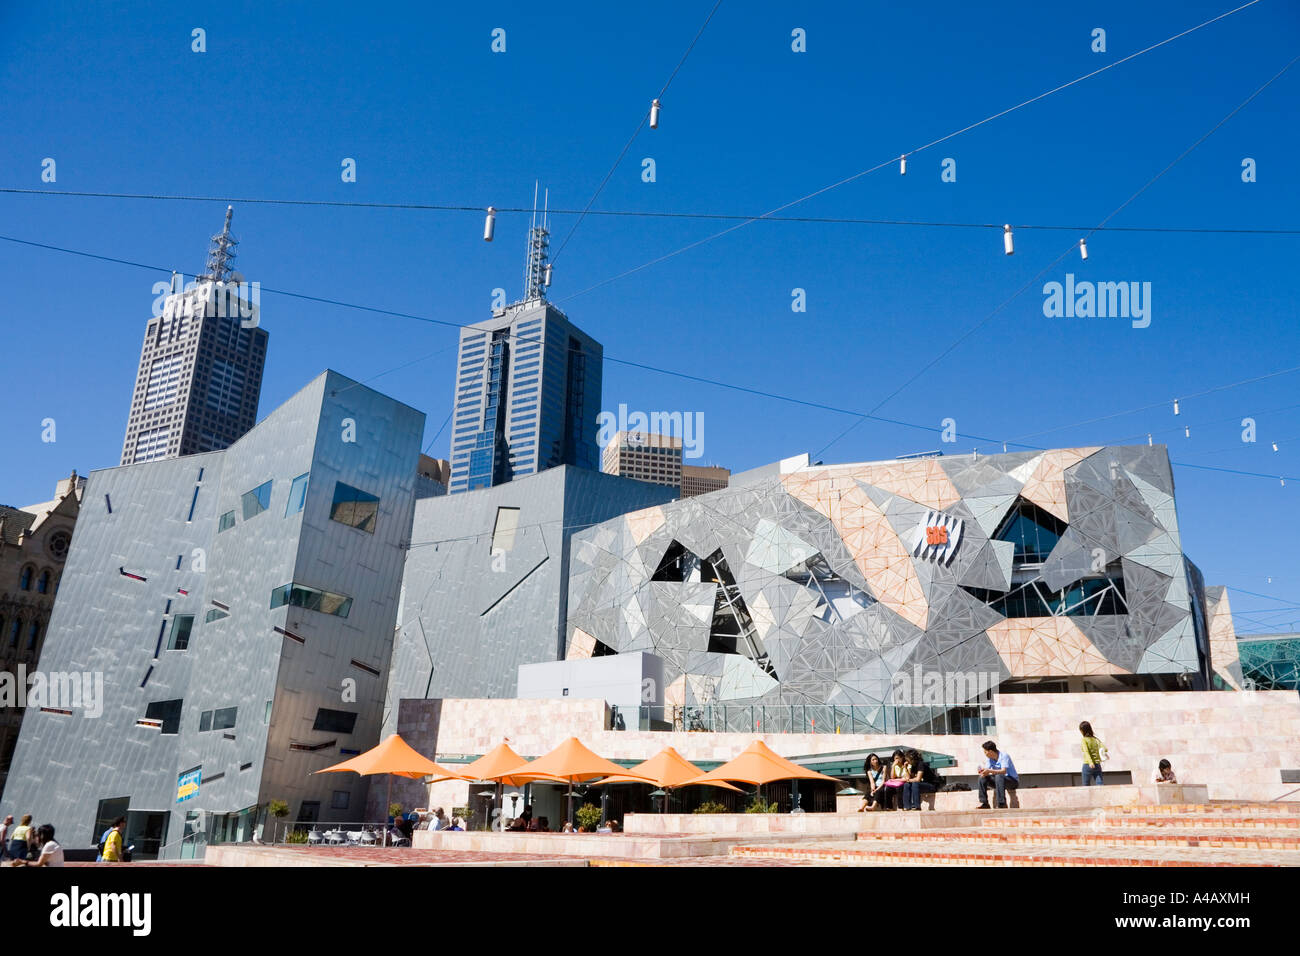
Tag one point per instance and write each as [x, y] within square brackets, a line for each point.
[1212, 834]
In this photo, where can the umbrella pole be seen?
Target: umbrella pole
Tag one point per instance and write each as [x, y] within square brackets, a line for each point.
[388, 802]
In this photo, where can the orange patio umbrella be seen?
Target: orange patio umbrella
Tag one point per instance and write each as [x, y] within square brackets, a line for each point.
[668, 770]
[571, 762]
[495, 765]
[396, 758]
[759, 764]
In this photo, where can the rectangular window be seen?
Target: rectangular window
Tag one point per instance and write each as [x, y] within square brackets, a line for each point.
[339, 800]
[226, 522]
[257, 500]
[182, 624]
[297, 595]
[168, 712]
[334, 721]
[224, 719]
[503, 532]
[205, 721]
[297, 495]
[354, 507]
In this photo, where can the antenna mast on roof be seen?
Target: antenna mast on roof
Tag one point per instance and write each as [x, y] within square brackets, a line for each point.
[537, 271]
[222, 253]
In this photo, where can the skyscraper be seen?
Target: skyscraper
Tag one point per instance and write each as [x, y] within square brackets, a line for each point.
[200, 373]
[527, 388]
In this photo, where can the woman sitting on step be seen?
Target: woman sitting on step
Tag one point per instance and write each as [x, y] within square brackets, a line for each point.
[874, 769]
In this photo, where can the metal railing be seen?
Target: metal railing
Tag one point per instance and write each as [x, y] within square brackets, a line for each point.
[972, 719]
[331, 833]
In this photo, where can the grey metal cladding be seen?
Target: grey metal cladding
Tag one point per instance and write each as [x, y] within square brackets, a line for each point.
[469, 617]
[917, 613]
[106, 621]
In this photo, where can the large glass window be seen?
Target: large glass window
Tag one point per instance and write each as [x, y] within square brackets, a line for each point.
[257, 500]
[354, 507]
[296, 595]
[1034, 531]
[297, 495]
[503, 532]
[169, 712]
[334, 721]
[226, 522]
[182, 624]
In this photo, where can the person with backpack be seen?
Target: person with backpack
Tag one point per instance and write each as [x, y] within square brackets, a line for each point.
[111, 850]
[1094, 752]
[920, 779]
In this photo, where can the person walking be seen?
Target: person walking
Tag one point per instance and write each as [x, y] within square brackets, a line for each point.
[113, 843]
[4, 836]
[18, 838]
[1093, 753]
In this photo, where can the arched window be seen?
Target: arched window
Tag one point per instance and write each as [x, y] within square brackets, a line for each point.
[33, 632]
[25, 579]
[14, 630]
[43, 583]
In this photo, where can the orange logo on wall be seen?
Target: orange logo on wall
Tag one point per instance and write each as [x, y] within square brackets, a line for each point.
[935, 535]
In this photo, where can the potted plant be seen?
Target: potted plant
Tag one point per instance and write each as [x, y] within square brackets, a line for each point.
[588, 817]
[279, 809]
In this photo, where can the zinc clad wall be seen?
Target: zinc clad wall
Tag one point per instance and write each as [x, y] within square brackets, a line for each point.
[371, 443]
[107, 624]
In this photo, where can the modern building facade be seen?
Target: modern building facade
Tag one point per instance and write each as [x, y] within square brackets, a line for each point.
[230, 615]
[200, 374]
[644, 456]
[528, 385]
[487, 580]
[34, 543]
[899, 595]
[1270, 661]
[703, 479]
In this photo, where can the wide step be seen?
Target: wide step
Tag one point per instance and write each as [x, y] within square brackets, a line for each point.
[1102, 837]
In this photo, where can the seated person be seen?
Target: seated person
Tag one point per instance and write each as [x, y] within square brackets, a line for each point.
[567, 828]
[874, 769]
[916, 783]
[895, 777]
[615, 827]
[1165, 773]
[51, 852]
[996, 771]
[518, 824]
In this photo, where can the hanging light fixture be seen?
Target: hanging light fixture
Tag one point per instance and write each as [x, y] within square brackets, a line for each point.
[654, 114]
[1083, 249]
[1007, 242]
[490, 224]
[902, 165]
[1187, 431]
[1149, 438]
[1275, 446]
[1175, 406]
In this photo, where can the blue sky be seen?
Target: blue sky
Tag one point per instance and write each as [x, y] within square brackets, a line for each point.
[431, 115]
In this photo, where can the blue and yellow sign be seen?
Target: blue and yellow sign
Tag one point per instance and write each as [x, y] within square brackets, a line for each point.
[187, 784]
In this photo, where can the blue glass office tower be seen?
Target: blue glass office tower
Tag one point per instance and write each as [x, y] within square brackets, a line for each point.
[527, 397]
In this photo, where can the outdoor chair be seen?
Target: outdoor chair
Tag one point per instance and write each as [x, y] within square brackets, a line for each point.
[314, 838]
[368, 838]
[354, 837]
[335, 837]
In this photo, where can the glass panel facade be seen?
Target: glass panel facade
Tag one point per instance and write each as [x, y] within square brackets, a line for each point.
[257, 500]
[354, 507]
[296, 595]
[1034, 531]
[334, 721]
[182, 624]
[297, 495]
[226, 522]
[503, 533]
[215, 614]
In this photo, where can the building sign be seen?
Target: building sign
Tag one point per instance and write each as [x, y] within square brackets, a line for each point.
[187, 784]
[937, 537]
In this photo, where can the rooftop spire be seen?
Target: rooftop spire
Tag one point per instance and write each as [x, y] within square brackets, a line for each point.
[536, 277]
[222, 252]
